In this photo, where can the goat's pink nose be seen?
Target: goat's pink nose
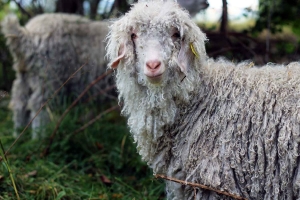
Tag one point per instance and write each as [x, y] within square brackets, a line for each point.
[153, 64]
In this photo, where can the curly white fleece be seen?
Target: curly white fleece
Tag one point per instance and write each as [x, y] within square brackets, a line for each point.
[234, 127]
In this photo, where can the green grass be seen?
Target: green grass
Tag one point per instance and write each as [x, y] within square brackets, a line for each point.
[99, 163]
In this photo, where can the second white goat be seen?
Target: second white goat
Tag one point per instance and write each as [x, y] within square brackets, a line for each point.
[46, 52]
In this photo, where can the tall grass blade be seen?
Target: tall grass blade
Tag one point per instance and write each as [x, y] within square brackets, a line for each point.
[2, 153]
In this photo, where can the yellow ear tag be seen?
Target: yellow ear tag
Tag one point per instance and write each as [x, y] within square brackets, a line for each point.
[194, 50]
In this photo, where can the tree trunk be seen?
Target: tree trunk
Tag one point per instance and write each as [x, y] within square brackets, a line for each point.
[94, 8]
[122, 6]
[224, 18]
[69, 6]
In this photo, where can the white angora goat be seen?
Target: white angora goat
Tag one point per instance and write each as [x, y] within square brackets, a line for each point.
[232, 127]
[46, 52]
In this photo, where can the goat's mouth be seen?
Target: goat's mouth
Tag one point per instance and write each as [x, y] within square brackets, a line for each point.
[154, 79]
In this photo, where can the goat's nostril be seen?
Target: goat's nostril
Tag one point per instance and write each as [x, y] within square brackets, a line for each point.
[153, 64]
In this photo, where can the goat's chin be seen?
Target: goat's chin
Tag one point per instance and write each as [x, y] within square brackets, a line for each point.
[151, 107]
[157, 80]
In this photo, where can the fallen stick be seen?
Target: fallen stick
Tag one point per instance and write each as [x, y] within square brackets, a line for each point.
[199, 186]
[46, 151]
[104, 92]
[95, 119]
[40, 109]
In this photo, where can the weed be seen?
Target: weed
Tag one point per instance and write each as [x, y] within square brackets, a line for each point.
[99, 162]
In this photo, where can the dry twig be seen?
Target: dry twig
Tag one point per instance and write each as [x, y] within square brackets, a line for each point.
[46, 151]
[22, 9]
[104, 92]
[199, 186]
[95, 119]
[42, 106]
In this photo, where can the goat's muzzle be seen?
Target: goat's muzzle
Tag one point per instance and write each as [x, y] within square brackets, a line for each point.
[154, 70]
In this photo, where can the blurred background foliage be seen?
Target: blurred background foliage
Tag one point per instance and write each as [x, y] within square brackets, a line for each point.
[101, 162]
[277, 14]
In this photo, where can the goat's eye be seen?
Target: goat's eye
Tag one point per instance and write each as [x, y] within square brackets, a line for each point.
[176, 35]
[133, 36]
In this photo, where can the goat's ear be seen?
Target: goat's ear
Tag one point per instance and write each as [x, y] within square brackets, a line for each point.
[186, 56]
[121, 54]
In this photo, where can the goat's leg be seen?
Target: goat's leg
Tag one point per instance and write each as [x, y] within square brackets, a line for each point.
[35, 102]
[18, 103]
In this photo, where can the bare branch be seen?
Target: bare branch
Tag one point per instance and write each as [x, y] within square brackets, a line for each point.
[71, 106]
[199, 186]
[44, 104]
[95, 119]
[103, 92]
[22, 9]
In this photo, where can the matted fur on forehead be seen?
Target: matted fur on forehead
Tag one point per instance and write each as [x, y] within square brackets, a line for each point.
[153, 12]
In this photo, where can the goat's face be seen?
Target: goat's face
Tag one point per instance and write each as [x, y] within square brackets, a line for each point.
[156, 52]
[157, 41]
